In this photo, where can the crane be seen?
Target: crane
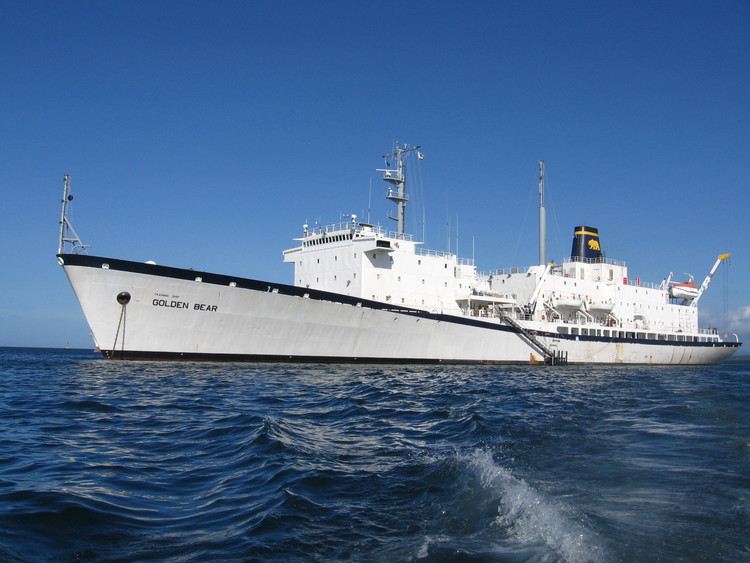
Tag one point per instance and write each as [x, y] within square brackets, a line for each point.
[710, 275]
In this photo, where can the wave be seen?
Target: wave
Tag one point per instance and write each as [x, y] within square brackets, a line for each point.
[152, 461]
[532, 518]
[505, 518]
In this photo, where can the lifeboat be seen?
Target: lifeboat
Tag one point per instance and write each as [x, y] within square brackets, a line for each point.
[568, 303]
[600, 307]
[686, 290]
[491, 299]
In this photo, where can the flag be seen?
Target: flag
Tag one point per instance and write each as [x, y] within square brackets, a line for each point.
[420, 156]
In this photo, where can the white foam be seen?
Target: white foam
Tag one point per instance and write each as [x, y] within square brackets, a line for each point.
[531, 518]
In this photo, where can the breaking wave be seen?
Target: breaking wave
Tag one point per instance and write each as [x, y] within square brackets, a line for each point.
[497, 516]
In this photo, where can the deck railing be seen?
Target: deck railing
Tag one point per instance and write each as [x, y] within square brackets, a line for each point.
[348, 226]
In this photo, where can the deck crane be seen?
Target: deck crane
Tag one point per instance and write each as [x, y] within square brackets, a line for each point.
[710, 275]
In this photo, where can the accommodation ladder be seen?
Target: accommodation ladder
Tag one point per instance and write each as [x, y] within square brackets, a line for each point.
[551, 357]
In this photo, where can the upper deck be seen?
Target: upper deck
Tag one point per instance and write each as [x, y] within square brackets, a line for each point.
[352, 231]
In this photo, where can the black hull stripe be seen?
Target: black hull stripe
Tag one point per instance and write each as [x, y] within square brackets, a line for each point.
[129, 355]
[264, 358]
[266, 287]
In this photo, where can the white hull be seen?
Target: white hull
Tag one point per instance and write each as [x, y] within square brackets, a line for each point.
[183, 314]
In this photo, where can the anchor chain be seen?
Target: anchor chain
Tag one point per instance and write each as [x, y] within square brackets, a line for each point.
[123, 298]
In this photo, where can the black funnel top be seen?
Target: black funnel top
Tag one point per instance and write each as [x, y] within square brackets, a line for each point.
[586, 244]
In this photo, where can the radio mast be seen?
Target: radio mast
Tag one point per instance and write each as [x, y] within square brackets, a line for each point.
[542, 218]
[396, 178]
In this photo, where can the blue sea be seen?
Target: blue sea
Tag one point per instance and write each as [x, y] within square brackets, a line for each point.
[186, 462]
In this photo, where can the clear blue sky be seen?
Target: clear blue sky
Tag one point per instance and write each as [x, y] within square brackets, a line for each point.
[204, 134]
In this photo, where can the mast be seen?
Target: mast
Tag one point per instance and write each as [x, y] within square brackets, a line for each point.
[542, 217]
[396, 178]
[64, 214]
[67, 233]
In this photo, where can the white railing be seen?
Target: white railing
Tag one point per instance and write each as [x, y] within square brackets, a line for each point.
[348, 226]
[635, 282]
[442, 254]
[504, 271]
[601, 260]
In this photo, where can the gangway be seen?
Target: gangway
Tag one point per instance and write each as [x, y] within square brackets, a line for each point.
[551, 357]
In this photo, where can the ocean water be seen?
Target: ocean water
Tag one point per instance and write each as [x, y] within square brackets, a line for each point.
[181, 462]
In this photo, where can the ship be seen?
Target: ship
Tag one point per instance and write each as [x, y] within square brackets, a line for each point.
[365, 293]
